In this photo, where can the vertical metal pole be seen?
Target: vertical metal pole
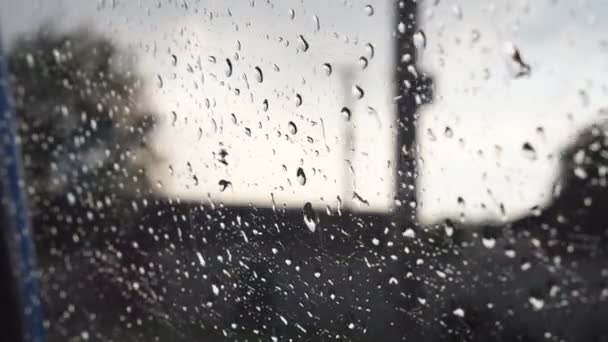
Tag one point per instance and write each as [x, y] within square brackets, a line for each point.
[17, 248]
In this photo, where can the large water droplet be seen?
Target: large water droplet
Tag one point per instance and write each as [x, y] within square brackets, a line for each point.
[311, 219]
[301, 176]
[292, 14]
[228, 68]
[363, 62]
[298, 100]
[345, 112]
[529, 151]
[316, 22]
[327, 69]
[358, 92]
[293, 129]
[303, 44]
[419, 39]
[224, 184]
[370, 50]
[259, 76]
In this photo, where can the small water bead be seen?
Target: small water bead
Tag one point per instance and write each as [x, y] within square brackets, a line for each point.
[419, 39]
[293, 129]
[346, 113]
[327, 69]
[298, 100]
[228, 68]
[301, 176]
[370, 50]
[358, 92]
[259, 76]
[363, 62]
[173, 60]
[369, 10]
[302, 43]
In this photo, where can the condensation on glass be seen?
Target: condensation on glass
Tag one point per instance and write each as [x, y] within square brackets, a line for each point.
[315, 170]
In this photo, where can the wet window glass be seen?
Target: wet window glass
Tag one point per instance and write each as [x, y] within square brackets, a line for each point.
[315, 170]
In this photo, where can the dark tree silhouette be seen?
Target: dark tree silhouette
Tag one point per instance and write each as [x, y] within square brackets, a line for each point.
[81, 117]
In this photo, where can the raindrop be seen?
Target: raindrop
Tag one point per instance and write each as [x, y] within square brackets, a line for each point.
[159, 81]
[419, 39]
[458, 312]
[529, 151]
[224, 184]
[488, 242]
[259, 76]
[233, 117]
[292, 14]
[401, 27]
[311, 219]
[215, 289]
[265, 105]
[293, 129]
[346, 113]
[301, 176]
[173, 60]
[369, 10]
[363, 62]
[537, 303]
[327, 68]
[315, 19]
[303, 43]
[448, 133]
[298, 100]
[173, 118]
[370, 50]
[358, 92]
[457, 12]
[228, 70]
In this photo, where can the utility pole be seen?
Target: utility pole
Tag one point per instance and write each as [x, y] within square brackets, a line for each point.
[412, 89]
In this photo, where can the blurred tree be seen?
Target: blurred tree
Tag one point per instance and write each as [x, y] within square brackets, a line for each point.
[81, 116]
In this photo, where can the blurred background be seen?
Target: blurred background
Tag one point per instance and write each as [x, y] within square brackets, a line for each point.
[314, 170]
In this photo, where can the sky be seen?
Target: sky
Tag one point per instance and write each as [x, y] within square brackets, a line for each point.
[489, 112]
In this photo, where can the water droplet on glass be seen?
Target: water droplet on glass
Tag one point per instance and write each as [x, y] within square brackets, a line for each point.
[173, 60]
[358, 92]
[159, 81]
[369, 10]
[311, 219]
[303, 44]
[215, 289]
[370, 50]
[316, 22]
[293, 129]
[448, 133]
[419, 39]
[346, 113]
[537, 303]
[363, 62]
[457, 12]
[488, 242]
[228, 68]
[401, 27]
[458, 312]
[529, 151]
[259, 76]
[265, 105]
[173, 118]
[292, 14]
[301, 176]
[224, 184]
[327, 69]
[233, 118]
[298, 100]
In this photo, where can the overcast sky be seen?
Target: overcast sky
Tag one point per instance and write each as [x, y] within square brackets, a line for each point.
[490, 113]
